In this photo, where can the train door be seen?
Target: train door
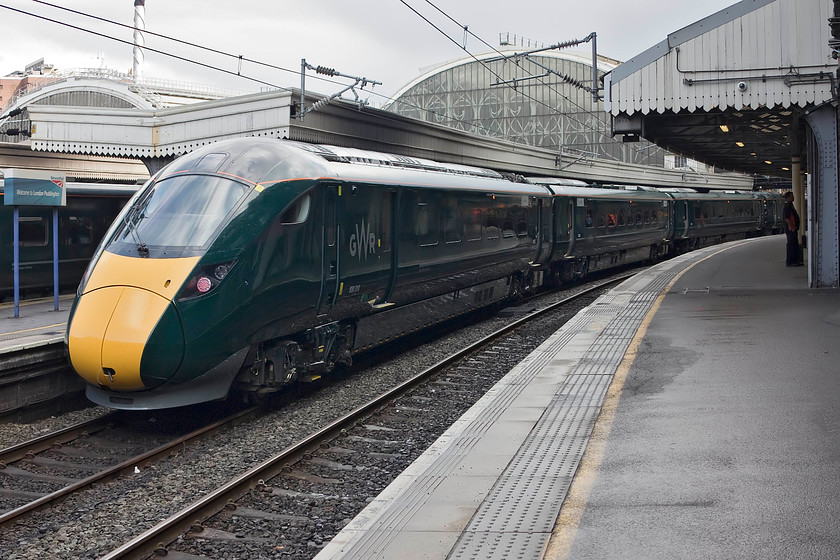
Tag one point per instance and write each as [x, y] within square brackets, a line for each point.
[365, 215]
[330, 262]
[543, 237]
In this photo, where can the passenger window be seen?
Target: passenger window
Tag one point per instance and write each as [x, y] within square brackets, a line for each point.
[77, 231]
[33, 232]
[507, 226]
[492, 224]
[427, 224]
[298, 212]
[472, 223]
[522, 224]
[452, 222]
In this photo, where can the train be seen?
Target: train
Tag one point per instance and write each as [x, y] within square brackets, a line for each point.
[251, 264]
[90, 210]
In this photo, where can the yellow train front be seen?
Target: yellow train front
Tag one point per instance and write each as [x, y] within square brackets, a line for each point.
[155, 323]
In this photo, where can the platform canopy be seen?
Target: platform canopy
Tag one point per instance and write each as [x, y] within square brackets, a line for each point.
[730, 89]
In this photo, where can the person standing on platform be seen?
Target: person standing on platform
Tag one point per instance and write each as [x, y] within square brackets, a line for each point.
[791, 218]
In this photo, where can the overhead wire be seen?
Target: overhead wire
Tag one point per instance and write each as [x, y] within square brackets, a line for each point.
[500, 53]
[124, 41]
[486, 66]
[240, 58]
[467, 31]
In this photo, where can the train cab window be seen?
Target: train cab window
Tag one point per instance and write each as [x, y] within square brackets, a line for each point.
[329, 218]
[492, 227]
[298, 212]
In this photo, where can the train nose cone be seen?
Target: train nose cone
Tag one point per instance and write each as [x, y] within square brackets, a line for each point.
[109, 335]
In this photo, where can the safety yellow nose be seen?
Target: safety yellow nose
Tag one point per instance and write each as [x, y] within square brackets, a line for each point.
[109, 332]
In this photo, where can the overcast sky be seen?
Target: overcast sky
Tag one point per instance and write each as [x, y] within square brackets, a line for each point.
[382, 40]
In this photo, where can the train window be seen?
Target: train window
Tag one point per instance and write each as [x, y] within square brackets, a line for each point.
[452, 223]
[507, 225]
[638, 218]
[588, 220]
[329, 218]
[298, 212]
[32, 232]
[472, 223]
[647, 216]
[601, 219]
[77, 230]
[522, 223]
[492, 224]
[428, 225]
[183, 211]
[622, 219]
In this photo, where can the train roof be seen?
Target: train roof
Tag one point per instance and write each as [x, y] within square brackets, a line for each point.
[608, 193]
[268, 161]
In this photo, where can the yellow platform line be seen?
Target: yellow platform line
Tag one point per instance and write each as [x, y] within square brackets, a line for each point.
[18, 334]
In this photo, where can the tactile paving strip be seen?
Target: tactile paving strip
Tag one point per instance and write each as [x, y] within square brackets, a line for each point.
[527, 498]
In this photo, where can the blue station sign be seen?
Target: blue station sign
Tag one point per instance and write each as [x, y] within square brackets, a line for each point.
[29, 187]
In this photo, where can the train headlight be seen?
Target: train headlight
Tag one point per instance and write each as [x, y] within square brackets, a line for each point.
[205, 280]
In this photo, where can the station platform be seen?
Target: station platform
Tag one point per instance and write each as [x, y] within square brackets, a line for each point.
[37, 324]
[691, 412]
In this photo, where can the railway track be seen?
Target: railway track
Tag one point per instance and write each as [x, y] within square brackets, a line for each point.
[42, 471]
[262, 508]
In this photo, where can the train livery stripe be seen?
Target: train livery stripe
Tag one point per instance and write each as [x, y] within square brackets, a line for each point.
[161, 276]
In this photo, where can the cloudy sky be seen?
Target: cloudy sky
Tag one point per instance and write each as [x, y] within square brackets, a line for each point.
[383, 40]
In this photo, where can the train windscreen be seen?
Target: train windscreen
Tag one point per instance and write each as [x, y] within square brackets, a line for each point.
[181, 211]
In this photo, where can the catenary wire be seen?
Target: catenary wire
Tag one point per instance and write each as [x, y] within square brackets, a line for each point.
[443, 117]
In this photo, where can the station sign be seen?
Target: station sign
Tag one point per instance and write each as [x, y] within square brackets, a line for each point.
[31, 187]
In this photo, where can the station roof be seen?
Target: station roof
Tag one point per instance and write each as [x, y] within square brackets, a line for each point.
[729, 90]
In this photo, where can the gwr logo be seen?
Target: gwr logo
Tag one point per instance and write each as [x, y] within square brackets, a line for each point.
[363, 242]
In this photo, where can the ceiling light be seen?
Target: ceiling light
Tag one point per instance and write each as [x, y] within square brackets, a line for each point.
[724, 128]
[768, 162]
[785, 168]
[739, 144]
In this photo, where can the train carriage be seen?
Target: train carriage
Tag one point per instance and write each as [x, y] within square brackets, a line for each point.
[253, 263]
[82, 223]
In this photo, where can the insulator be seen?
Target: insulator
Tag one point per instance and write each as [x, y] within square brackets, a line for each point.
[318, 104]
[324, 70]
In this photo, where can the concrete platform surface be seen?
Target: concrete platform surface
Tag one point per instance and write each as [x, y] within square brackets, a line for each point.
[691, 412]
[38, 323]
